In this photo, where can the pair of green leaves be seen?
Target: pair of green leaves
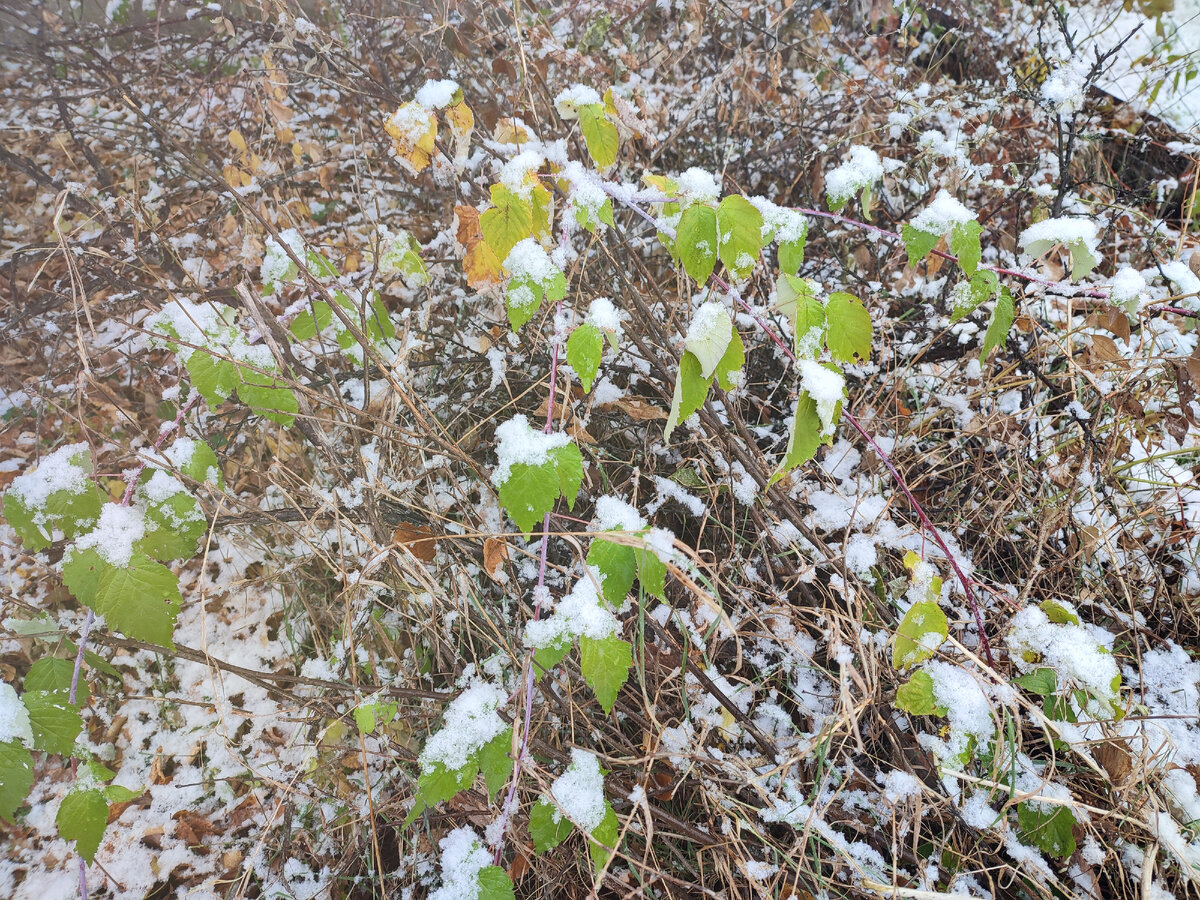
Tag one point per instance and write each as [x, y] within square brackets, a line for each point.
[731, 231]
[712, 351]
[438, 784]
[547, 833]
[842, 324]
[375, 324]
[964, 242]
[83, 815]
[530, 491]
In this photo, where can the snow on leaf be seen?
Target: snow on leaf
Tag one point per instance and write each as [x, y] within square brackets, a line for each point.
[739, 230]
[708, 336]
[913, 645]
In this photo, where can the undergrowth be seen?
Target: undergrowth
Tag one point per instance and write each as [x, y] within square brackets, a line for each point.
[659, 450]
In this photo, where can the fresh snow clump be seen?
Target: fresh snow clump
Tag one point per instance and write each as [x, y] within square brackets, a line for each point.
[276, 263]
[119, 528]
[528, 259]
[518, 443]
[698, 185]
[942, 215]
[569, 100]
[437, 94]
[861, 170]
[826, 388]
[614, 514]
[470, 722]
[579, 613]
[463, 857]
[14, 717]
[580, 791]
[55, 472]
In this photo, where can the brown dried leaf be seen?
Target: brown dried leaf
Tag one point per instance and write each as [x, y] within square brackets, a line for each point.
[479, 260]
[1114, 756]
[495, 551]
[417, 539]
[1112, 320]
[639, 410]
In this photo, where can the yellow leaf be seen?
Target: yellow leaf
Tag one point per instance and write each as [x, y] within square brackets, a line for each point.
[479, 262]
[238, 142]
[461, 122]
[413, 130]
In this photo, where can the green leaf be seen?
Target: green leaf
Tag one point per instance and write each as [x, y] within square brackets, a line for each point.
[69, 511]
[267, 395]
[319, 266]
[849, 327]
[546, 658]
[696, 241]
[82, 818]
[1057, 613]
[1042, 682]
[494, 884]
[790, 254]
[529, 493]
[140, 600]
[739, 235]
[16, 777]
[691, 387]
[964, 241]
[805, 436]
[52, 674]
[1002, 319]
[55, 722]
[652, 572]
[507, 221]
[584, 349]
[708, 342]
[731, 362]
[918, 243]
[544, 830]
[605, 665]
[912, 645]
[798, 301]
[202, 465]
[115, 793]
[522, 298]
[438, 785]
[495, 761]
[984, 285]
[1050, 831]
[601, 136]
[916, 696]
[568, 466]
[602, 842]
[213, 377]
[173, 525]
[618, 567]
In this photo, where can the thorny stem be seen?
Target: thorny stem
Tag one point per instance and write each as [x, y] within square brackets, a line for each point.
[131, 478]
[922, 516]
[537, 611]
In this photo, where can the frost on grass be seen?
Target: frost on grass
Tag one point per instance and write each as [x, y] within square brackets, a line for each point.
[470, 722]
[517, 443]
[860, 170]
[579, 791]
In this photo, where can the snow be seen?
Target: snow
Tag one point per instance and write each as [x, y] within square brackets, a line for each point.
[470, 721]
[119, 528]
[411, 122]
[579, 613]
[568, 101]
[827, 389]
[517, 443]
[57, 471]
[580, 791]
[276, 263]
[1071, 650]
[942, 215]
[519, 175]
[1178, 272]
[1063, 90]
[977, 813]
[898, 786]
[437, 94]
[463, 856]
[529, 260]
[613, 514]
[967, 706]
[605, 316]
[862, 169]
[14, 717]
[1128, 287]
[698, 185]
[786, 225]
[1041, 236]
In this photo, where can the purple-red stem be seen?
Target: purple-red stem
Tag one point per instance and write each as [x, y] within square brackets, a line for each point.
[537, 611]
[922, 516]
[131, 478]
